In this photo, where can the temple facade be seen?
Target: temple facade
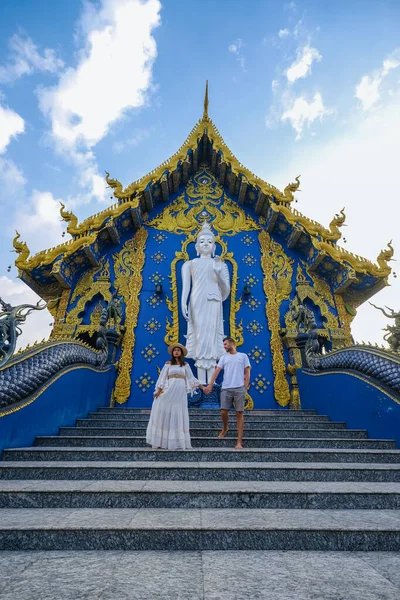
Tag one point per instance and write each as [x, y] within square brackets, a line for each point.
[268, 261]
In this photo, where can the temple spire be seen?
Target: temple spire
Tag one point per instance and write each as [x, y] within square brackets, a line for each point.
[205, 112]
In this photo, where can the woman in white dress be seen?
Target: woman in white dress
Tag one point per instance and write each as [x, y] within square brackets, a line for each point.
[168, 426]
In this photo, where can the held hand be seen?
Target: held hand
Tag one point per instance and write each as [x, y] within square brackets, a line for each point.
[207, 389]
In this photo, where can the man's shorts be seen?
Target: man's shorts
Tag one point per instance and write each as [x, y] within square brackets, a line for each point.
[234, 396]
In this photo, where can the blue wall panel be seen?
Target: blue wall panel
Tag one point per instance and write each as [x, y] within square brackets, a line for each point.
[345, 397]
[72, 396]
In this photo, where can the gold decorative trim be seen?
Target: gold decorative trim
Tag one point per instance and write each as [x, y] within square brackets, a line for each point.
[345, 318]
[9, 411]
[276, 289]
[359, 264]
[25, 262]
[183, 216]
[249, 402]
[87, 288]
[207, 127]
[320, 286]
[128, 267]
[305, 290]
[96, 222]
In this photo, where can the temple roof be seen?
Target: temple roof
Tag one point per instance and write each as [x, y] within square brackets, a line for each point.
[52, 269]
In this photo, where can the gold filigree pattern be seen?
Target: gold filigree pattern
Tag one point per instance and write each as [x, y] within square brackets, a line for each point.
[204, 199]
[321, 287]
[305, 290]
[346, 317]
[96, 314]
[275, 290]
[184, 216]
[87, 288]
[128, 267]
[248, 403]
[59, 316]
[206, 126]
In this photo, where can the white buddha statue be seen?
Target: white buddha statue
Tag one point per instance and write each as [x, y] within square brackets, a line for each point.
[207, 280]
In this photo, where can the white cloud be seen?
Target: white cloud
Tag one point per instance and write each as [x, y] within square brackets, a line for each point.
[368, 91]
[357, 169]
[12, 179]
[302, 65]
[283, 33]
[303, 113]
[275, 86]
[114, 75]
[133, 141]
[39, 222]
[37, 326]
[119, 42]
[11, 125]
[25, 59]
[236, 49]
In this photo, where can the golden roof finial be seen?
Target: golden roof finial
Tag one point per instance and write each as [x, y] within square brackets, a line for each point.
[205, 112]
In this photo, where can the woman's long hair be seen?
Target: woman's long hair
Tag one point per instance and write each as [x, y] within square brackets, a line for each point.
[180, 361]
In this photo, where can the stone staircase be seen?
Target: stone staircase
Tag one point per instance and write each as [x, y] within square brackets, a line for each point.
[301, 483]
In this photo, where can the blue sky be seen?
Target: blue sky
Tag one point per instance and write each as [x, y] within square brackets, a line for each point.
[295, 87]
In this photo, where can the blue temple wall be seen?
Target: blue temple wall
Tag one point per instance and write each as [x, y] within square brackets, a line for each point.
[345, 397]
[150, 349]
[72, 396]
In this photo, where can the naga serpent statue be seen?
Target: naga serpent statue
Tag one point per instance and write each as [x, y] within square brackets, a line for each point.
[11, 319]
[26, 373]
[379, 365]
[392, 337]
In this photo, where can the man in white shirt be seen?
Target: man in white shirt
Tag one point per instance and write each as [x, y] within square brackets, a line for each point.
[236, 367]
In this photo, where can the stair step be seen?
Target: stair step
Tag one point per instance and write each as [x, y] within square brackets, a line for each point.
[204, 455]
[214, 415]
[259, 433]
[211, 411]
[200, 529]
[142, 420]
[200, 471]
[159, 575]
[301, 483]
[199, 494]
[212, 442]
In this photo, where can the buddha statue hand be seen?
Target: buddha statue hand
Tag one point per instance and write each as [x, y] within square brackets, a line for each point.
[184, 309]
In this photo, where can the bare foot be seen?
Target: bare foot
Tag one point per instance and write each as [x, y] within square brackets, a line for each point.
[238, 446]
[222, 434]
